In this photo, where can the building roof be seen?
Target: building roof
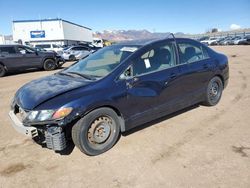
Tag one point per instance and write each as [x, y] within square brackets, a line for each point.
[47, 20]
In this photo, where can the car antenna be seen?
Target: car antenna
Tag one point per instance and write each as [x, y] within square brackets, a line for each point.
[170, 34]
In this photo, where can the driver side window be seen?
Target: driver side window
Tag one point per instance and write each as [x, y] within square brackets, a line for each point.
[21, 50]
[159, 57]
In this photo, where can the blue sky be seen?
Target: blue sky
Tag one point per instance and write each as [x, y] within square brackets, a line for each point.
[188, 16]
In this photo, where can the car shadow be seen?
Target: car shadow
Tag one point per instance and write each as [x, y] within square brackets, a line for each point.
[164, 118]
[70, 147]
[68, 150]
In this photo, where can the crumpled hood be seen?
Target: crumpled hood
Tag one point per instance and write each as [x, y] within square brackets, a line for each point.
[38, 91]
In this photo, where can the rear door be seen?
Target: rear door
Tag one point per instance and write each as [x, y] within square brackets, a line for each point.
[196, 69]
[11, 58]
[30, 57]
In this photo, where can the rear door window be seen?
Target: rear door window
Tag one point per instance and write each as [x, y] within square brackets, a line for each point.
[191, 52]
[8, 50]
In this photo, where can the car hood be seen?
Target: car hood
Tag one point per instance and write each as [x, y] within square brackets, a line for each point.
[38, 91]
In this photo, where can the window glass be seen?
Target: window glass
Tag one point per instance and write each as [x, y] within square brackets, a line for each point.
[55, 46]
[157, 58]
[43, 45]
[9, 50]
[190, 52]
[25, 50]
[81, 48]
[102, 62]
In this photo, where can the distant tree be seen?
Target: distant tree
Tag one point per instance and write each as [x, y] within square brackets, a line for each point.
[214, 30]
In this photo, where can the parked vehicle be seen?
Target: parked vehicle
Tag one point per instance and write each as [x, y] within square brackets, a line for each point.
[19, 57]
[245, 41]
[74, 53]
[97, 42]
[117, 88]
[240, 40]
[90, 47]
[50, 47]
[225, 41]
[211, 41]
[203, 38]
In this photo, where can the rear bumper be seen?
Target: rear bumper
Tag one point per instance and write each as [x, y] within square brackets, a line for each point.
[18, 125]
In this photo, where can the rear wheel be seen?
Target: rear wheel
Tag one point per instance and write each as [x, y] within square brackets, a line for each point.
[2, 71]
[96, 132]
[214, 91]
[49, 64]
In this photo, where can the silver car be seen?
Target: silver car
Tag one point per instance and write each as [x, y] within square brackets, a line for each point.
[75, 53]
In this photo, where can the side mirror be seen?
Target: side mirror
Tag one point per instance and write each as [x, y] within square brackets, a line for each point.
[126, 74]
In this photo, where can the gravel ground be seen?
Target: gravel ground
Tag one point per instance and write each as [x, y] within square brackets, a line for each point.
[198, 147]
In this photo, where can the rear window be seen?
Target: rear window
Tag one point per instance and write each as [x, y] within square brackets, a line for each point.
[55, 46]
[9, 50]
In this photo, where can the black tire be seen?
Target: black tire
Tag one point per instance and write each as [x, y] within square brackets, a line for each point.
[49, 65]
[72, 58]
[96, 132]
[213, 92]
[2, 71]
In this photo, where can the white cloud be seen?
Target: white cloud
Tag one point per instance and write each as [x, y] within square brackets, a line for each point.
[234, 26]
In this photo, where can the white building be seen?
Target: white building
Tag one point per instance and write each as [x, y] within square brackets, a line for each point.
[6, 39]
[2, 41]
[56, 31]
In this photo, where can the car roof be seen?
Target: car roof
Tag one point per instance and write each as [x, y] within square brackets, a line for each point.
[10, 45]
[148, 41]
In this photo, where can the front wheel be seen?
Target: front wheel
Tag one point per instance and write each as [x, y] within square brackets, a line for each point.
[96, 132]
[214, 91]
[49, 64]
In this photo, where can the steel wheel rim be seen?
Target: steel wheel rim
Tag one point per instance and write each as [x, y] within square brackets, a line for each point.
[214, 91]
[100, 130]
[50, 65]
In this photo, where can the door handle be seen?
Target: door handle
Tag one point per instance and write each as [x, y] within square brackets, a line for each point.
[130, 83]
[135, 79]
[205, 66]
[173, 75]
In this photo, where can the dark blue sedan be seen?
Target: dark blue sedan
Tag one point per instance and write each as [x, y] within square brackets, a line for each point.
[116, 89]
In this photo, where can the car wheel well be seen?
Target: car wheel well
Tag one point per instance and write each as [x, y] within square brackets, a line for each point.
[221, 77]
[2, 65]
[48, 59]
[119, 114]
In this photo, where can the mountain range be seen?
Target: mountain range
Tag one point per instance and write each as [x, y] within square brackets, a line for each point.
[122, 35]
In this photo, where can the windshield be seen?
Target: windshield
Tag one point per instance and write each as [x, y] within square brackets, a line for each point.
[102, 62]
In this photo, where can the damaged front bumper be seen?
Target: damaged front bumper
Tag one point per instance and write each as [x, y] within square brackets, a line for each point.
[50, 135]
[18, 125]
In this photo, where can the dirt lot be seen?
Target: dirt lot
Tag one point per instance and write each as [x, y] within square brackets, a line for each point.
[202, 147]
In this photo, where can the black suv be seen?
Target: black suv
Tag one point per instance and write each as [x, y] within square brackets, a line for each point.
[19, 57]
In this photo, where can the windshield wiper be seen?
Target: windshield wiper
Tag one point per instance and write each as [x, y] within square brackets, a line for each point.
[63, 73]
[89, 77]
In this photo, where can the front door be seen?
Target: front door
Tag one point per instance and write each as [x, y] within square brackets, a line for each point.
[153, 88]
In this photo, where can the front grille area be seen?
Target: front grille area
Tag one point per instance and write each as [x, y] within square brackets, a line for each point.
[55, 138]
